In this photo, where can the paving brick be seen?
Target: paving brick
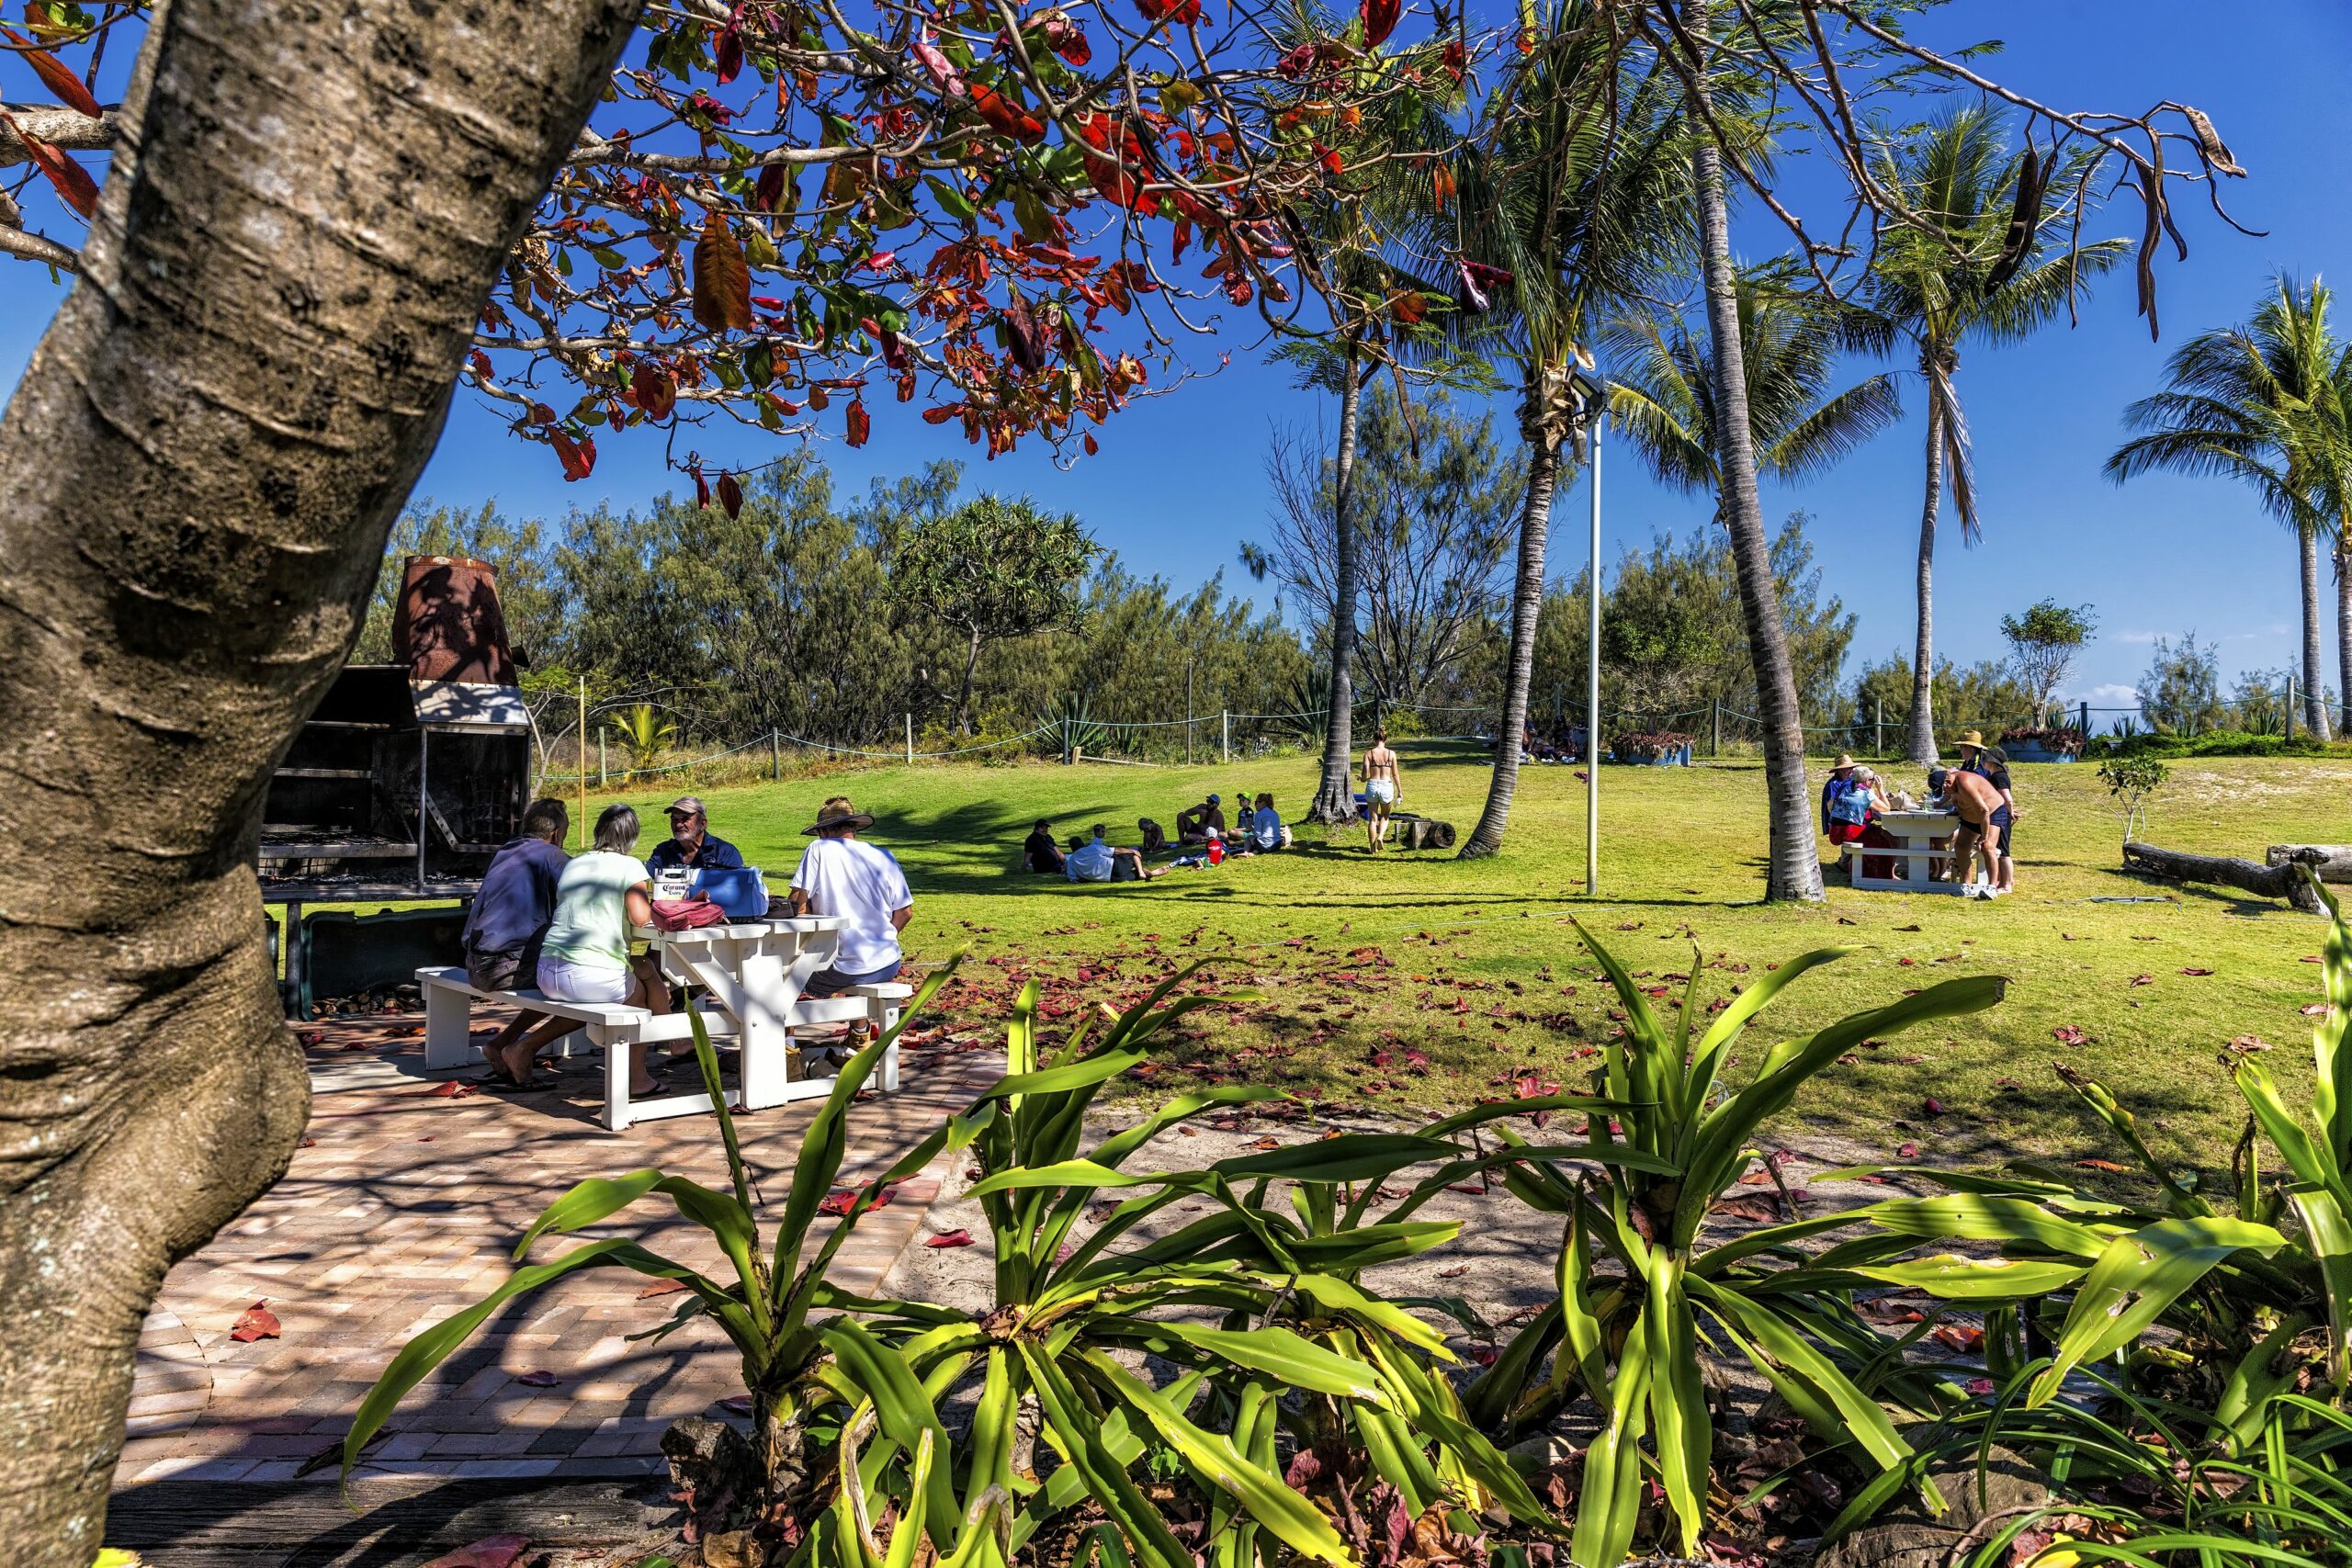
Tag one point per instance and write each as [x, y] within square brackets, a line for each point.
[375, 1234]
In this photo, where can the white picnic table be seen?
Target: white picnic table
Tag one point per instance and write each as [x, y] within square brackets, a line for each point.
[751, 976]
[1921, 838]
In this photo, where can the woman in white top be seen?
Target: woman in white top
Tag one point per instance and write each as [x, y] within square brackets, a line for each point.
[585, 958]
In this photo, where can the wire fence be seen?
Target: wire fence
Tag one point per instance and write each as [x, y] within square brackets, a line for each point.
[1717, 730]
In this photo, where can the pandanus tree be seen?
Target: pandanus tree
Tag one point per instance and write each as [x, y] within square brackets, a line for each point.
[1574, 203]
[314, 226]
[1984, 259]
[2264, 403]
[1662, 385]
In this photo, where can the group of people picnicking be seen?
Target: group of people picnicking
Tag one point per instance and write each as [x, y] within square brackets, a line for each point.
[1978, 792]
[563, 923]
[1204, 835]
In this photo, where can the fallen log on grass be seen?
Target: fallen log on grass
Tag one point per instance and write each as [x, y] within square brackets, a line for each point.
[2334, 866]
[2283, 878]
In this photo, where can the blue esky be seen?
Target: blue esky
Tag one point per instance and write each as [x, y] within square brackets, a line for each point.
[1179, 481]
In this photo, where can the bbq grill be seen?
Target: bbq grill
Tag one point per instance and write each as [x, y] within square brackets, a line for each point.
[410, 776]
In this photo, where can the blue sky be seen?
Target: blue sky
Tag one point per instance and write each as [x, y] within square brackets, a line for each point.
[1179, 481]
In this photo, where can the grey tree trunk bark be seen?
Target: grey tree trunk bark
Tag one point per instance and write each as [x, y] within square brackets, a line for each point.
[1795, 863]
[1335, 795]
[964, 697]
[2344, 622]
[1544, 432]
[1922, 739]
[202, 463]
[2314, 686]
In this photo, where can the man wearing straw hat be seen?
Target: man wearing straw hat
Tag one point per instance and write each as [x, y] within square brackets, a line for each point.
[1841, 773]
[841, 874]
[1987, 764]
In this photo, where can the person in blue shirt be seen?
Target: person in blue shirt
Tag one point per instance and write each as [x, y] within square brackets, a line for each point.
[509, 919]
[1265, 828]
[691, 843]
[1098, 860]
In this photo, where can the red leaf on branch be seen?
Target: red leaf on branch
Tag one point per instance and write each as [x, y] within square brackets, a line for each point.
[702, 486]
[1454, 58]
[1183, 13]
[723, 278]
[860, 424]
[74, 187]
[654, 389]
[727, 51]
[730, 495]
[56, 76]
[1008, 117]
[256, 1322]
[578, 458]
[769, 188]
[949, 1238]
[1379, 21]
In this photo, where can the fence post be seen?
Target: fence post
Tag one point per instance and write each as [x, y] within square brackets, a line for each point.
[775, 756]
[2084, 723]
[1224, 744]
[600, 757]
[1715, 727]
[910, 740]
[1878, 728]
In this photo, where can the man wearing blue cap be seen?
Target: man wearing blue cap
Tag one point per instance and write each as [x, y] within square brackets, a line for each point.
[1193, 823]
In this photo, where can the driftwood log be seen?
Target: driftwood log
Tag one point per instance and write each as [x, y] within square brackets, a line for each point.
[2334, 866]
[2282, 878]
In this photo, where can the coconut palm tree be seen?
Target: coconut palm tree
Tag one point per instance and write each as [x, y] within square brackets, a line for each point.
[1662, 385]
[1575, 201]
[1992, 265]
[2264, 403]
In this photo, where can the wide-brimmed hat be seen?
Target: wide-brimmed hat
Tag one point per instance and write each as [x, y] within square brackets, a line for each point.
[837, 813]
[1974, 739]
[1845, 761]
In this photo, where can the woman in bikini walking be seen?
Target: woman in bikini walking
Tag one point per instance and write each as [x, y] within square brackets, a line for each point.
[1384, 786]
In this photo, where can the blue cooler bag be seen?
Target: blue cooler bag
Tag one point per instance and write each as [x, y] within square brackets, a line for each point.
[739, 890]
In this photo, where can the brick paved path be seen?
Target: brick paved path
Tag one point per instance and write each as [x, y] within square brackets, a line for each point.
[400, 1210]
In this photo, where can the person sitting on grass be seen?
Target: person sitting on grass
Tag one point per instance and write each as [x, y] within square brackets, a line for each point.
[1100, 861]
[1193, 823]
[1242, 813]
[1038, 852]
[1266, 830]
[1155, 837]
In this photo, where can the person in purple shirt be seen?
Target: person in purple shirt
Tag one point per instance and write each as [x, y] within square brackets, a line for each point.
[509, 917]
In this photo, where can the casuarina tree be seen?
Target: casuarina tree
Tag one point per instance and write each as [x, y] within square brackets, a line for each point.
[992, 569]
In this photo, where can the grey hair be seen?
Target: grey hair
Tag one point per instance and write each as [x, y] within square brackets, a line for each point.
[616, 829]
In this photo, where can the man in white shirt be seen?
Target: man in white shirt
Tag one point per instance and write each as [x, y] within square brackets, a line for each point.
[839, 875]
[1100, 861]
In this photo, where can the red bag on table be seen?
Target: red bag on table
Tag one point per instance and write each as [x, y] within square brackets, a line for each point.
[686, 914]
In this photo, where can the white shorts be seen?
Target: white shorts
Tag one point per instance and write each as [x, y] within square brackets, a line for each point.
[564, 981]
[1381, 792]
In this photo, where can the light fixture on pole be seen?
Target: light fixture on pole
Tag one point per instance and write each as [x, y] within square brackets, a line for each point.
[1592, 398]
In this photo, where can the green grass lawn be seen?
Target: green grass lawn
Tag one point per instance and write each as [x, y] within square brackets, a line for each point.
[1474, 964]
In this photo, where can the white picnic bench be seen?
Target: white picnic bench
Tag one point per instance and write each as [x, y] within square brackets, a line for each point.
[1917, 848]
[752, 975]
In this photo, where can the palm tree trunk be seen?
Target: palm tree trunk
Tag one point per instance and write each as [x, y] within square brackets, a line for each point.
[1795, 863]
[1541, 425]
[1335, 798]
[1923, 653]
[2344, 617]
[2314, 695]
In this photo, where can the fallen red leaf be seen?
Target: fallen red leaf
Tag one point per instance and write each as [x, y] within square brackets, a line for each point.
[2315, 1009]
[2197, 971]
[949, 1238]
[1756, 1210]
[1933, 1107]
[539, 1379]
[1960, 1337]
[455, 1088]
[2069, 1034]
[737, 1404]
[489, 1552]
[1454, 1273]
[660, 1287]
[256, 1322]
[1980, 1385]
[2144, 979]
[1908, 1151]
[2106, 1165]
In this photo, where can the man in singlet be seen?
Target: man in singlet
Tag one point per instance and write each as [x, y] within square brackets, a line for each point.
[1975, 800]
[1384, 786]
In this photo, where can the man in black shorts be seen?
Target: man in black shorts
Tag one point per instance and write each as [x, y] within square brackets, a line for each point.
[1987, 764]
